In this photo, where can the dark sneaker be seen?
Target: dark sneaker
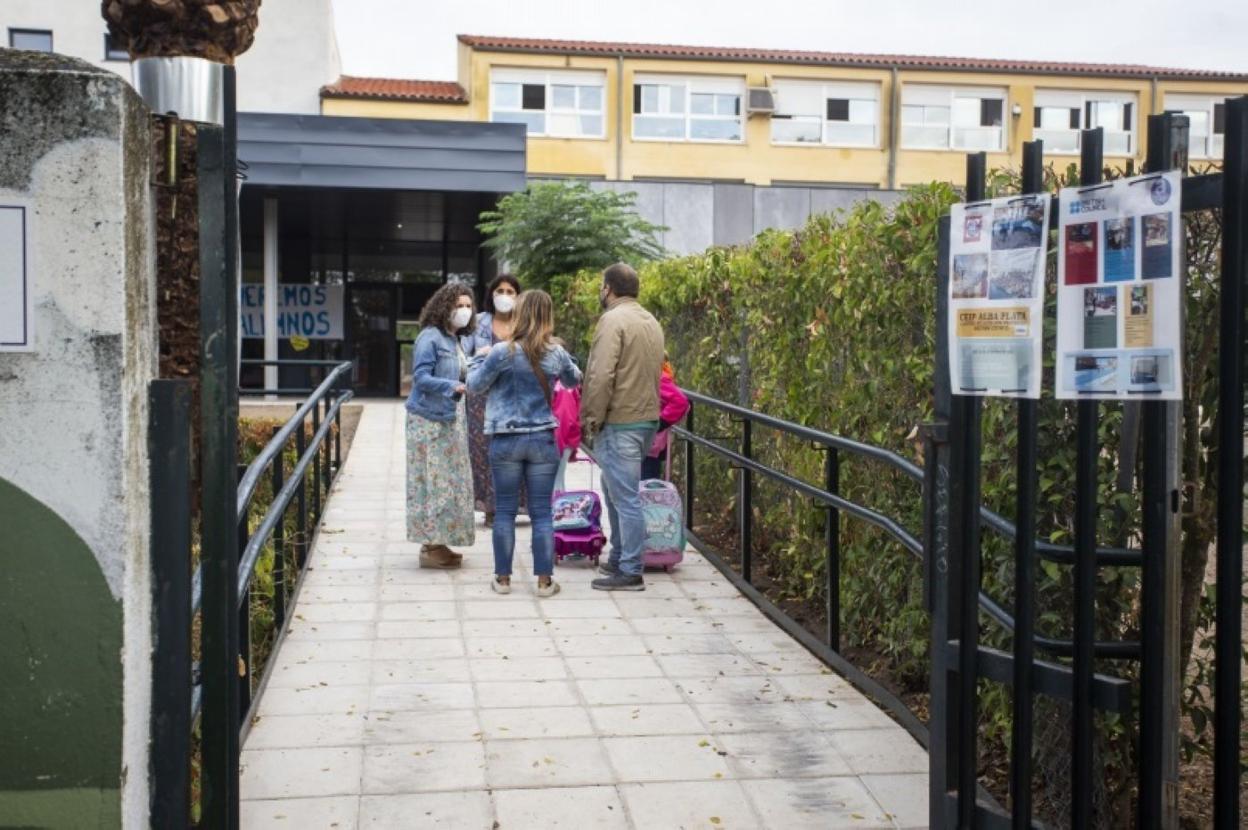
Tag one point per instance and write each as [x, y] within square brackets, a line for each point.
[619, 582]
[607, 569]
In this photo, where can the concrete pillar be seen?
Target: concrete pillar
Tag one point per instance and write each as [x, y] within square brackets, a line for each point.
[271, 287]
[75, 524]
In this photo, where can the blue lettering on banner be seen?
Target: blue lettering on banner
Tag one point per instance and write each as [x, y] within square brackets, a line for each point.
[309, 311]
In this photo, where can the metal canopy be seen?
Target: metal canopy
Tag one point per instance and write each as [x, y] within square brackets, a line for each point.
[381, 153]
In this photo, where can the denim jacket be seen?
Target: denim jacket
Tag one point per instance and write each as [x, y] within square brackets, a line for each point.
[437, 368]
[517, 402]
[480, 334]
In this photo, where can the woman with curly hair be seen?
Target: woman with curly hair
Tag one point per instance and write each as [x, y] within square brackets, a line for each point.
[494, 325]
[439, 478]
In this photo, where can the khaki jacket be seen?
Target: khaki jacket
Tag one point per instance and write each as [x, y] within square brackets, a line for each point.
[621, 383]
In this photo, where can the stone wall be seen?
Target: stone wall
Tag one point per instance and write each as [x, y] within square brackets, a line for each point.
[75, 610]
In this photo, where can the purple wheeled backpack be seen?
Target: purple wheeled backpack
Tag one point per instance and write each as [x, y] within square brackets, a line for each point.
[577, 517]
[665, 524]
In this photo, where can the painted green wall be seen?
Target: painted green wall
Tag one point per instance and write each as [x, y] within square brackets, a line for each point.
[60, 660]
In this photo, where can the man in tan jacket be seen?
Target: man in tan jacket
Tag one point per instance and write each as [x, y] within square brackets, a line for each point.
[620, 414]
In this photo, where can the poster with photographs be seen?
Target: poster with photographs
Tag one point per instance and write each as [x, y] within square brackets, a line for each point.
[1119, 290]
[996, 296]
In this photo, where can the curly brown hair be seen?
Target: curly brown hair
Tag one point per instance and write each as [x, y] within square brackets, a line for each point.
[437, 312]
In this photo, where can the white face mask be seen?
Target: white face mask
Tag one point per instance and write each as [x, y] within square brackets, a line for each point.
[504, 303]
[461, 317]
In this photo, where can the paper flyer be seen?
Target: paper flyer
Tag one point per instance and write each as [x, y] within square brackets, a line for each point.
[1119, 290]
[996, 295]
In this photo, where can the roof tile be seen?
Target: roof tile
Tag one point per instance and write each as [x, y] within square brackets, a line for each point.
[393, 89]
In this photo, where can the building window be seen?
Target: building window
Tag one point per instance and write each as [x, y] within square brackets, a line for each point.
[555, 104]
[111, 52]
[688, 109]
[1207, 114]
[1059, 115]
[34, 40]
[836, 114]
[952, 118]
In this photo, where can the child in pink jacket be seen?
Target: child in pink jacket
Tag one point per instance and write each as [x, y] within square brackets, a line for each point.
[672, 408]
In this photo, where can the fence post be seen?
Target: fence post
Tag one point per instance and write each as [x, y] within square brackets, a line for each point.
[1086, 456]
[689, 448]
[169, 442]
[832, 540]
[1025, 564]
[745, 501]
[279, 544]
[244, 619]
[1230, 554]
[301, 499]
[1161, 424]
[316, 464]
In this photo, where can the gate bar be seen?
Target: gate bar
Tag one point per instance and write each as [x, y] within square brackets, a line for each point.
[1087, 450]
[1230, 553]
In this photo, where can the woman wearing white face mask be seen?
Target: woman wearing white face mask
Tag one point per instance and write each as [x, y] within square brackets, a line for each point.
[493, 325]
[439, 502]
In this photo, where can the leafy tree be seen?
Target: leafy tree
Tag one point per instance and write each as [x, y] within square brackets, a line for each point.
[554, 228]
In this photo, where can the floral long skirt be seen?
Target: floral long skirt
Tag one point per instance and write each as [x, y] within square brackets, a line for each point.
[439, 493]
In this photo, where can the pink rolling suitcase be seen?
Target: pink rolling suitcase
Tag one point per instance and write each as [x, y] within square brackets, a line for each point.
[577, 517]
[664, 513]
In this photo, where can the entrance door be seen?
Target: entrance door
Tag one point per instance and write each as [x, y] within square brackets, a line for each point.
[372, 310]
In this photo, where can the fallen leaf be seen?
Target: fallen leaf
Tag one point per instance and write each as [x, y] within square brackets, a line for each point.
[715, 820]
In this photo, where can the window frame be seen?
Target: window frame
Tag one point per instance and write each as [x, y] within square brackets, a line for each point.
[714, 85]
[109, 51]
[1083, 98]
[845, 90]
[1210, 102]
[550, 78]
[953, 93]
[21, 30]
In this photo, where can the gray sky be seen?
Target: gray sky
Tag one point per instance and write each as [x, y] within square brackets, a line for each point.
[416, 38]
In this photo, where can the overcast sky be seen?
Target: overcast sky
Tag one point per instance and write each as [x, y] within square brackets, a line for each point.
[416, 38]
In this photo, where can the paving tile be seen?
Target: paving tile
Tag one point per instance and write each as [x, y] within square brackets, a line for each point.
[629, 691]
[845, 713]
[338, 595]
[500, 608]
[335, 813]
[727, 718]
[320, 673]
[546, 762]
[604, 645]
[688, 644]
[636, 606]
[594, 668]
[467, 810]
[516, 693]
[572, 808]
[518, 668]
[705, 805]
[407, 592]
[487, 629]
[735, 690]
[418, 648]
[647, 719]
[510, 647]
[782, 755]
[410, 629]
[901, 797]
[314, 700]
[707, 665]
[313, 651]
[815, 803]
[405, 727]
[879, 750]
[324, 631]
[579, 609]
[295, 773]
[302, 731]
[318, 578]
[392, 611]
[421, 697]
[448, 670]
[535, 722]
[667, 758]
[424, 767]
[818, 687]
[675, 625]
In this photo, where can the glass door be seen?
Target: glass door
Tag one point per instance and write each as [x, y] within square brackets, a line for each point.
[372, 311]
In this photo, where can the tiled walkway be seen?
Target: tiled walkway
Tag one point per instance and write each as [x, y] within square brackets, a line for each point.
[406, 698]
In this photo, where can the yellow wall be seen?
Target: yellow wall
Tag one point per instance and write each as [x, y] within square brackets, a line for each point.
[757, 160]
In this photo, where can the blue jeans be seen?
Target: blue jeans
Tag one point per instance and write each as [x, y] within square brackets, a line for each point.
[619, 452]
[531, 458]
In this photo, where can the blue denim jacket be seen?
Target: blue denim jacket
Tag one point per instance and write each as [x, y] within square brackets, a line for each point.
[517, 402]
[437, 369]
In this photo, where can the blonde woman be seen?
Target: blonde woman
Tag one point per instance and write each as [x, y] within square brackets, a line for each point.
[439, 477]
[519, 377]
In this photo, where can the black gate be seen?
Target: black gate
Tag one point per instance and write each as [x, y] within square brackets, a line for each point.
[1067, 669]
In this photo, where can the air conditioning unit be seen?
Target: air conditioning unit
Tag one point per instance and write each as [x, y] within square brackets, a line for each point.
[760, 100]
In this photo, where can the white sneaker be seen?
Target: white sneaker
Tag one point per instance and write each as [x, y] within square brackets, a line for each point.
[548, 590]
[500, 587]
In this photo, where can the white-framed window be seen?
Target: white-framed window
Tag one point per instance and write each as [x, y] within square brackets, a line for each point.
[1060, 114]
[34, 40]
[817, 112]
[676, 108]
[558, 103]
[1207, 114]
[112, 52]
[952, 118]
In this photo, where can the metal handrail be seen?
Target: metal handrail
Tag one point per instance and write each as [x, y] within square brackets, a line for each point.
[1063, 554]
[1050, 645]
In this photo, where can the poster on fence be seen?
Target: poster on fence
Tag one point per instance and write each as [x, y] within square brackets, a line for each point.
[1119, 290]
[996, 295]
